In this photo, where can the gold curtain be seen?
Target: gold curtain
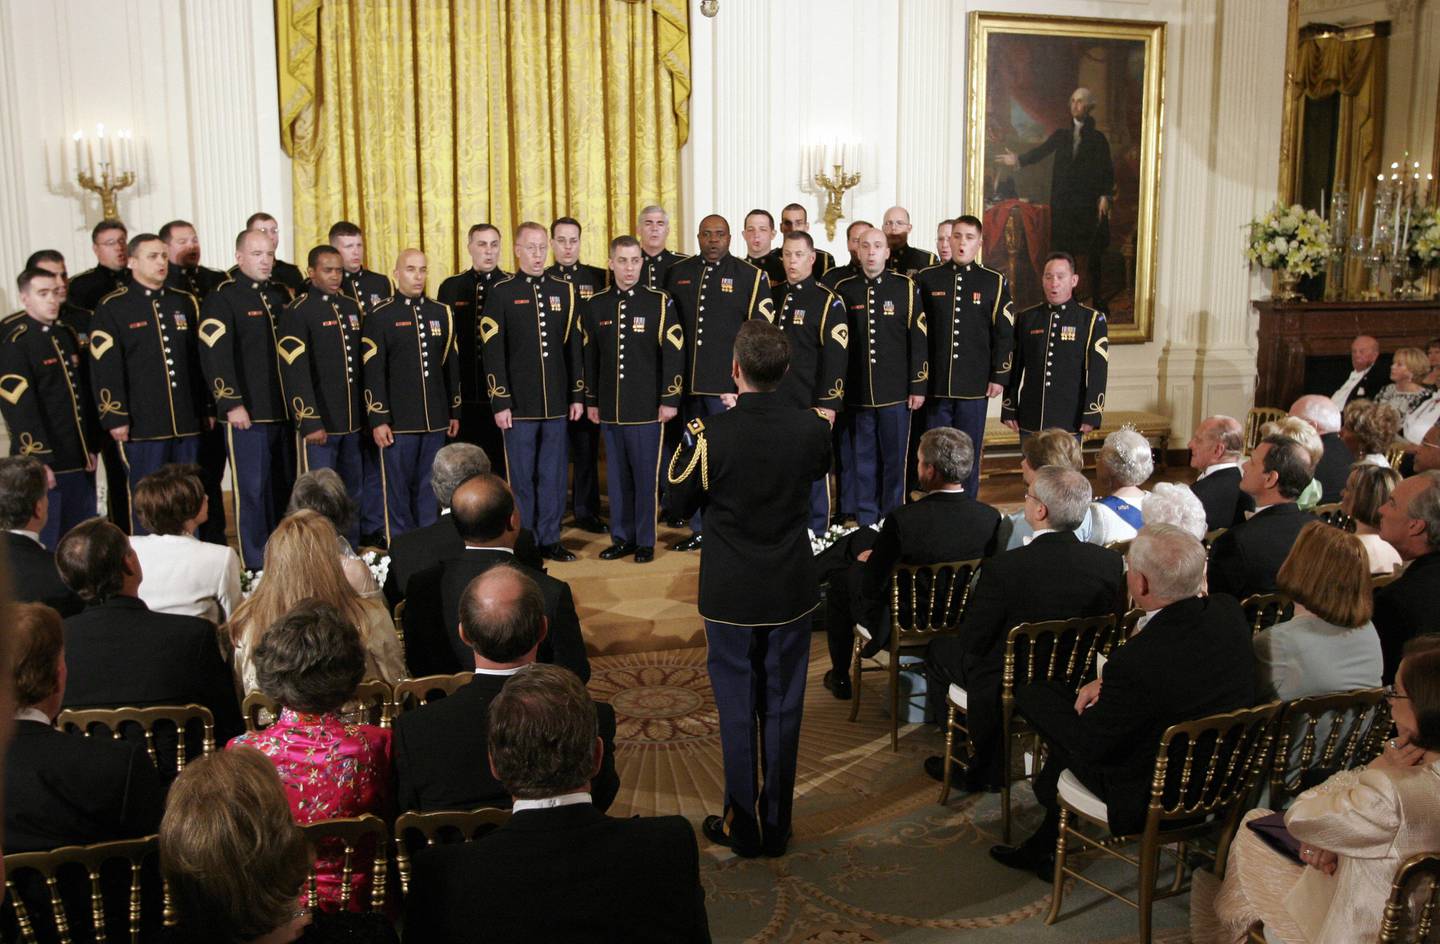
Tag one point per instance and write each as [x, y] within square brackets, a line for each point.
[1354, 67]
[416, 118]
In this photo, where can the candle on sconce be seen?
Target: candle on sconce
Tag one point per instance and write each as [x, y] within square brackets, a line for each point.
[1323, 213]
[79, 150]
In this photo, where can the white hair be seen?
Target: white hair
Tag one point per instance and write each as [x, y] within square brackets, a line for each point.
[1174, 504]
[1126, 456]
[652, 208]
[1320, 412]
[1172, 560]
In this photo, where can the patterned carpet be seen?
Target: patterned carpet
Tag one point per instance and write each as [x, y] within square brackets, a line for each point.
[875, 858]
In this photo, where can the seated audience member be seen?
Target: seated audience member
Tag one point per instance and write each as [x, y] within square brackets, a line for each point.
[1369, 373]
[559, 870]
[1410, 523]
[62, 789]
[1367, 490]
[1174, 504]
[301, 564]
[1354, 831]
[1329, 645]
[1056, 447]
[323, 491]
[1215, 454]
[1055, 576]
[228, 809]
[119, 653]
[946, 525]
[420, 548]
[1293, 427]
[1373, 428]
[1190, 657]
[1432, 359]
[182, 573]
[24, 504]
[440, 748]
[484, 514]
[1245, 559]
[1324, 416]
[1405, 392]
[311, 661]
[1123, 464]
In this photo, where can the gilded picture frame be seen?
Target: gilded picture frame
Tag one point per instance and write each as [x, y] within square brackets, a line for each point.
[1052, 100]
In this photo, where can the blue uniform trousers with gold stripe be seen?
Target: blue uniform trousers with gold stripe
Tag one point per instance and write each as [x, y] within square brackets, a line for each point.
[72, 501]
[877, 439]
[341, 452]
[409, 499]
[535, 456]
[142, 458]
[262, 469]
[968, 416]
[632, 456]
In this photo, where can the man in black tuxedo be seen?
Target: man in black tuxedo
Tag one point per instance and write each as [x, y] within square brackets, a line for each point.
[1368, 374]
[485, 517]
[1191, 657]
[1054, 576]
[1334, 467]
[1245, 559]
[1215, 450]
[62, 789]
[440, 749]
[1410, 521]
[559, 870]
[119, 653]
[24, 505]
[420, 548]
[948, 524]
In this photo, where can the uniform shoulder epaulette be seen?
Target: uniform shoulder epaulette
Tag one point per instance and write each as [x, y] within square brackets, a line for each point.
[300, 298]
[383, 304]
[841, 281]
[752, 265]
[664, 295]
[938, 265]
[908, 278]
[15, 331]
[508, 278]
[116, 293]
[180, 291]
[828, 291]
[13, 317]
[696, 426]
[229, 279]
[981, 265]
[681, 257]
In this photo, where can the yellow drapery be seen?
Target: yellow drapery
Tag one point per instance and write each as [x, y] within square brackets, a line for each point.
[1354, 67]
[416, 118]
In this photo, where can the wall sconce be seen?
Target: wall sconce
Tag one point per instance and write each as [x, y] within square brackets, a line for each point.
[709, 7]
[112, 173]
[814, 179]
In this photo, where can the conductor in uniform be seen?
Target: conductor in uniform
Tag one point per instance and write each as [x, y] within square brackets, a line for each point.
[971, 322]
[46, 402]
[1062, 355]
[145, 371]
[814, 320]
[465, 294]
[887, 378]
[652, 229]
[535, 377]
[632, 399]
[750, 470]
[715, 294]
[412, 392]
[238, 333]
[583, 434]
[320, 348]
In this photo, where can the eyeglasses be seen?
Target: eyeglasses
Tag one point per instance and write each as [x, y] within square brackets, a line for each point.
[1031, 496]
[1392, 693]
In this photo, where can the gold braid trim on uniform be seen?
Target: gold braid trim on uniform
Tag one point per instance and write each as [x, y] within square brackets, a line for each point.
[924, 372]
[303, 412]
[1102, 347]
[920, 323]
[373, 405]
[30, 446]
[108, 404]
[837, 391]
[1005, 367]
[492, 389]
[1098, 406]
[100, 342]
[698, 456]
[579, 387]
[454, 401]
[13, 387]
[222, 391]
[676, 388]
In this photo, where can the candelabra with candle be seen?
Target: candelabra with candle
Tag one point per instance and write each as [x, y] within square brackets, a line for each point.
[1339, 217]
[112, 173]
[834, 184]
[1398, 197]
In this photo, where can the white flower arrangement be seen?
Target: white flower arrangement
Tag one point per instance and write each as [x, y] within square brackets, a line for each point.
[820, 542]
[1291, 238]
[249, 580]
[379, 564]
[1425, 238]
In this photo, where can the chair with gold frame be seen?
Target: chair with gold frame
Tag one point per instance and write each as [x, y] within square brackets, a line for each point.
[1334, 515]
[373, 704]
[1211, 536]
[399, 619]
[433, 827]
[347, 838]
[1384, 580]
[411, 693]
[61, 926]
[1396, 453]
[1257, 417]
[1410, 909]
[1263, 610]
[1204, 772]
[1326, 734]
[115, 719]
[260, 711]
[926, 601]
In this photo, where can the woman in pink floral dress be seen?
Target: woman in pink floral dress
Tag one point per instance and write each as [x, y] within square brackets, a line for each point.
[311, 661]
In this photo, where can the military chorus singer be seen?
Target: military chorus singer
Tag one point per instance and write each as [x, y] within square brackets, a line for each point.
[133, 363]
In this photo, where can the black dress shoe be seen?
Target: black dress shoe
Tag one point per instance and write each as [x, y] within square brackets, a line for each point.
[775, 848]
[1026, 857]
[714, 829]
[593, 524]
[675, 521]
[556, 552]
[692, 543]
[644, 555]
[838, 684]
[618, 550]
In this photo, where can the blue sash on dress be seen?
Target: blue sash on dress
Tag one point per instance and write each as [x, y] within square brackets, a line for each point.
[1127, 512]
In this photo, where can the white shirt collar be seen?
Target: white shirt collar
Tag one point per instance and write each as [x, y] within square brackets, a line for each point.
[33, 714]
[1217, 467]
[1032, 537]
[29, 534]
[549, 803]
[507, 550]
[444, 511]
[951, 489]
[505, 672]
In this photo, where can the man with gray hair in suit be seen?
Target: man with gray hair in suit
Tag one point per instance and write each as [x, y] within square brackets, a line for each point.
[1334, 468]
